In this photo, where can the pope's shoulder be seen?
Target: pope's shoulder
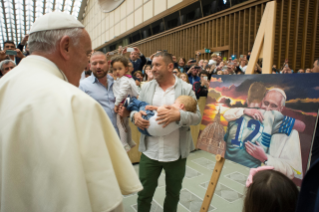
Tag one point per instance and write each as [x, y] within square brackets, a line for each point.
[32, 84]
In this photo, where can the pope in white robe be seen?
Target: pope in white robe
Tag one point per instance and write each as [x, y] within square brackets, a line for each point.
[59, 150]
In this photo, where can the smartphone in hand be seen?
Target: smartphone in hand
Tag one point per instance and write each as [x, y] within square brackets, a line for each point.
[130, 50]
[11, 52]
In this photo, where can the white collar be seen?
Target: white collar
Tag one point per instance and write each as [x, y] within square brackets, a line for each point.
[46, 60]
[174, 83]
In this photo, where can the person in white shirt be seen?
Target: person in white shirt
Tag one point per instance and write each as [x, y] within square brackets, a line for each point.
[213, 61]
[167, 152]
[243, 65]
[124, 85]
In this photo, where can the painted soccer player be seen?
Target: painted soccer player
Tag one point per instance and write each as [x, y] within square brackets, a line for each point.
[256, 126]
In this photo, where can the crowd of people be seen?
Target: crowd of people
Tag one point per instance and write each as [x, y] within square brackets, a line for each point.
[195, 71]
[64, 145]
[139, 74]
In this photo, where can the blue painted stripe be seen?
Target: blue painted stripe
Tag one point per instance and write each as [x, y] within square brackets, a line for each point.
[265, 144]
[287, 125]
[265, 139]
[291, 126]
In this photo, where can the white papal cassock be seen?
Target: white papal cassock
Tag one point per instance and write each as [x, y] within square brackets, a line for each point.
[59, 151]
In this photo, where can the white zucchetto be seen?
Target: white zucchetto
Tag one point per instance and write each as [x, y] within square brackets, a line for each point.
[55, 20]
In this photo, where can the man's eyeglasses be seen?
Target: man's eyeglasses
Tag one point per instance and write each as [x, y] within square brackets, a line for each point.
[174, 72]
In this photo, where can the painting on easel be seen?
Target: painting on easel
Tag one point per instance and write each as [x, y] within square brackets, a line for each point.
[257, 120]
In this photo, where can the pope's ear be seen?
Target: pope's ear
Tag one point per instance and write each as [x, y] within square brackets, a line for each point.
[65, 47]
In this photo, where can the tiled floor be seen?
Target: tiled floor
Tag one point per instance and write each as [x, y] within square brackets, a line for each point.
[228, 195]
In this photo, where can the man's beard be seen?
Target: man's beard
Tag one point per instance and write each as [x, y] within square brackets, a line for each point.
[103, 74]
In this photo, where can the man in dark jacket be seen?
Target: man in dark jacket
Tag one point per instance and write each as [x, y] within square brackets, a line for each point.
[24, 44]
[192, 74]
[137, 58]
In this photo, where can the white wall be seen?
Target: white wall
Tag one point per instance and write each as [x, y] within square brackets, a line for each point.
[103, 27]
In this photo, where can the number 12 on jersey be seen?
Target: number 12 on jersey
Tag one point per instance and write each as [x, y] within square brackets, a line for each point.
[252, 128]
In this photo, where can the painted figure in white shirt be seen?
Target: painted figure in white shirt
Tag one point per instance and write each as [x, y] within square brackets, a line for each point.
[124, 85]
[284, 151]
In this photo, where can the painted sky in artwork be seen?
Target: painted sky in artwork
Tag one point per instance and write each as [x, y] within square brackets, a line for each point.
[302, 92]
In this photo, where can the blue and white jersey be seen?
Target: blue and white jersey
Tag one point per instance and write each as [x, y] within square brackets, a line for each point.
[248, 129]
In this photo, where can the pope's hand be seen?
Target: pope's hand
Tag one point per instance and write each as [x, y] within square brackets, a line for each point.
[254, 113]
[139, 121]
[168, 115]
[256, 151]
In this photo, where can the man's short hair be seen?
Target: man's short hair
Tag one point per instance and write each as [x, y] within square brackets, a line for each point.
[8, 41]
[317, 61]
[189, 102]
[166, 56]
[256, 92]
[6, 62]
[98, 53]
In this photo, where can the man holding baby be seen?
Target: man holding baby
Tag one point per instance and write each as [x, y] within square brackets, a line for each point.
[168, 152]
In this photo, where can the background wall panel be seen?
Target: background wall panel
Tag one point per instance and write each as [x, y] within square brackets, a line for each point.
[296, 33]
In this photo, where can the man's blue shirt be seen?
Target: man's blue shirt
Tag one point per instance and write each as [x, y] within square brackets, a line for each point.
[101, 94]
[192, 79]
